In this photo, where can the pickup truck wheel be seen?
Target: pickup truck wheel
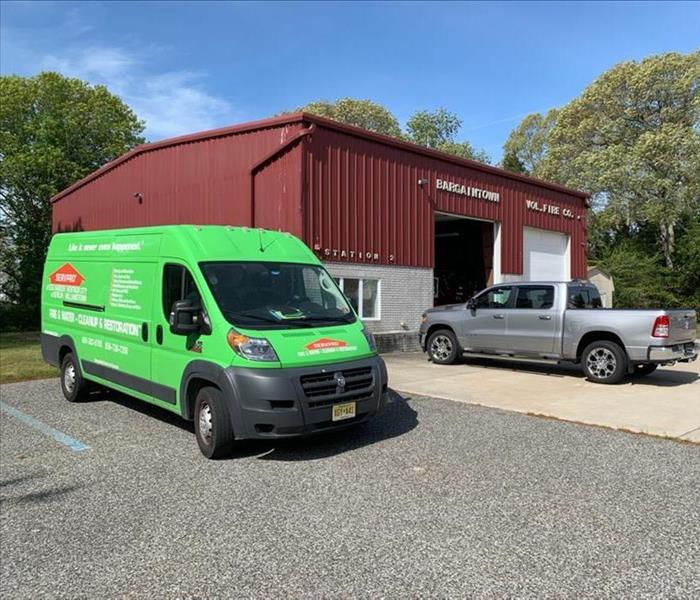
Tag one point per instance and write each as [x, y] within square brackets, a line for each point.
[604, 362]
[73, 386]
[212, 424]
[645, 369]
[443, 348]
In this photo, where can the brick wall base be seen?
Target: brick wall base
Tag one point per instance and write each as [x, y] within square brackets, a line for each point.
[397, 341]
[405, 292]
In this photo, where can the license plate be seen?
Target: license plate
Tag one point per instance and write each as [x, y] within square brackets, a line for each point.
[343, 411]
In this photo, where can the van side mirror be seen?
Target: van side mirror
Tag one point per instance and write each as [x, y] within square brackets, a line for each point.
[185, 317]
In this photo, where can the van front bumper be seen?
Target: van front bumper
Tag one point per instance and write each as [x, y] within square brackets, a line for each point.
[278, 403]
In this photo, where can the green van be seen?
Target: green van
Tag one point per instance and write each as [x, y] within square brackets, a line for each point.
[241, 330]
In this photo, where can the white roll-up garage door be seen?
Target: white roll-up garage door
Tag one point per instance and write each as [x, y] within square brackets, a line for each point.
[545, 255]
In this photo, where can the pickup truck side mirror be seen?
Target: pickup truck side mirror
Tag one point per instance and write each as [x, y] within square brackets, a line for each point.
[471, 304]
[185, 317]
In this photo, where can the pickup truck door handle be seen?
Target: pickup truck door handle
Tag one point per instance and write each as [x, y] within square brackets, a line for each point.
[499, 316]
[545, 317]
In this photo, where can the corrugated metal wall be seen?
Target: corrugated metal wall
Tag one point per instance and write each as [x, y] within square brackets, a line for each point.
[204, 182]
[364, 203]
[351, 197]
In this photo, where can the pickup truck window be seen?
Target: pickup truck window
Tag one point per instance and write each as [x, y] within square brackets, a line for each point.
[539, 297]
[495, 298]
[583, 297]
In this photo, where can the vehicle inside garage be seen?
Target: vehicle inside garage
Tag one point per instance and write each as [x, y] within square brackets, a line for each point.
[463, 258]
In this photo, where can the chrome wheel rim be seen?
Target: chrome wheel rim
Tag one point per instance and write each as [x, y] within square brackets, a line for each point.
[601, 363]
[205, 423]
[69, 378]
[441, 347]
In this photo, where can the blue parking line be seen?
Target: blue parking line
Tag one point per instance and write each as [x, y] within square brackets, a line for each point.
[57, 435]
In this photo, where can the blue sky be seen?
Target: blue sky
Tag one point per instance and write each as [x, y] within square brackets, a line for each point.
[189, 66]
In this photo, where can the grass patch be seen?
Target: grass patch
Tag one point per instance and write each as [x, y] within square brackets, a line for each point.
[20, 358]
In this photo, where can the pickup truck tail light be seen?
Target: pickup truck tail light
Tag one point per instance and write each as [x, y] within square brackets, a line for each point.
[661, 326]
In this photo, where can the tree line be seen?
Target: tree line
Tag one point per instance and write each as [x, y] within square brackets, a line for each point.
[631, 140]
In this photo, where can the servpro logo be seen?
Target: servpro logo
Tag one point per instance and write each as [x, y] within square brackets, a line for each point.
[324, 343]
[66, 275]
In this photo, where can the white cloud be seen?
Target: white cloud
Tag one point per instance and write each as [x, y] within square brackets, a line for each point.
[171, 103]
[175, 103]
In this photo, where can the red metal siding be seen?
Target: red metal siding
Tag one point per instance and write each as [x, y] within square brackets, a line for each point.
[204, 181]
[352, 195]
[364, 204]
[278, 193]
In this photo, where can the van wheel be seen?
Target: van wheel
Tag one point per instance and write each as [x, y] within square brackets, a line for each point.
[74, 387]
[443, 348]
[604, 362]
[212, 424]
[645, 369]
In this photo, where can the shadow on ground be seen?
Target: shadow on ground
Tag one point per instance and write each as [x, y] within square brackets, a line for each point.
[28, 489]
[103, 394]
[661, 377]
[398, 418]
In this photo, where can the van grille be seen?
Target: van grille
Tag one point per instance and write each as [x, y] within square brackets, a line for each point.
[322, 388]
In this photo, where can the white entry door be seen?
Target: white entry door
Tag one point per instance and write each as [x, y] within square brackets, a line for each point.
[545, 255]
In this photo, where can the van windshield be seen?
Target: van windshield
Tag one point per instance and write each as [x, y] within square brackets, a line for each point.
[263, 295]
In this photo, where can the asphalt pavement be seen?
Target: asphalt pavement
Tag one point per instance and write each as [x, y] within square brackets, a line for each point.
[434, 498]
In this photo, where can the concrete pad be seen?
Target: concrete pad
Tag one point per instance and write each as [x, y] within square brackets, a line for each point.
[665, 403]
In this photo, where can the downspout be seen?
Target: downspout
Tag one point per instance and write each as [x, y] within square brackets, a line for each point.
[281, 149]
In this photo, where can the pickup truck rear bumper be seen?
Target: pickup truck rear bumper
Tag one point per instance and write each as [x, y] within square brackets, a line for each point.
[681, 352]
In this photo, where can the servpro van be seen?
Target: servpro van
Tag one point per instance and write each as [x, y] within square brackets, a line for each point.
[241, 330]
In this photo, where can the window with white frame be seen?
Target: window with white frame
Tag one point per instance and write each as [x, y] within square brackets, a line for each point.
[363, 294]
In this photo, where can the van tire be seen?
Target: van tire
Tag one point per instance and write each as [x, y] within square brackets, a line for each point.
[73, 386]
[443, 348]
[604, 362]
[212, 424]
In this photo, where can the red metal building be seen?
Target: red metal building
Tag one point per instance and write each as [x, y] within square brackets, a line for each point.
[401, 226]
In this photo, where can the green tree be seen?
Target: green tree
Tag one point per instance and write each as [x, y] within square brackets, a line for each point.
[688, 258]
[360, 113]
[641, 281]
[438, 129]
[53, 131]
[632, 139]
[527, 144]
[511, 162]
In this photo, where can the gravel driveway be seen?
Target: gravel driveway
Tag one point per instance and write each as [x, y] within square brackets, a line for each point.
[435, 498]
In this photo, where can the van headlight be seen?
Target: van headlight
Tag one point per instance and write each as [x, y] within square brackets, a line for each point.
[250, 347]
[371, 341]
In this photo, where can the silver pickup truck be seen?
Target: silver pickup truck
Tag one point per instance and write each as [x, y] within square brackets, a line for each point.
[559, 321]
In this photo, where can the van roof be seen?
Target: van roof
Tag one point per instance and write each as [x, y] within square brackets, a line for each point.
[195, 243]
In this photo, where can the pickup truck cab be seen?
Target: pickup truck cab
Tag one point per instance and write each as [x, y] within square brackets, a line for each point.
[242, 331]
[559, 321]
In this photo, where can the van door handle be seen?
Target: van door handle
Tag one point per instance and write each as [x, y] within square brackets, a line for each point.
[499, 316]
[159, 334]
[144, 332]
[545, 317]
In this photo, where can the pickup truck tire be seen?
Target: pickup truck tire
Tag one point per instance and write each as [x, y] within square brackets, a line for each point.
[212, 424]
[645, 369]
[604, 362]
[443, 347]
[73, 386]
